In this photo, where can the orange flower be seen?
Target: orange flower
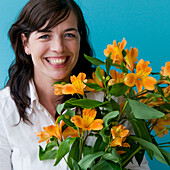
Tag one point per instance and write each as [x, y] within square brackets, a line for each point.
[116, 77]
[69, 131]
[141, 77]
[161, 124]
[116, 51]
[95, 80]
[87, 122]
[119, 134]
[166, 70]
[77, 85]
[52, 130]
[43, 136]
[58, 89]
[131, 58]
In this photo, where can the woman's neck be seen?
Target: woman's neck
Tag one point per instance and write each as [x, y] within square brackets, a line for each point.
[47, 97]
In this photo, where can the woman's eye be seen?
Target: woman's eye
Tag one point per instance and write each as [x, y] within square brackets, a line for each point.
[44, 37]
[69, 35]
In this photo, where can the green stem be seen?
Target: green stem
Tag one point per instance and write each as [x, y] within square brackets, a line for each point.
[130, 156]
[123, 110]
[81, 144]
[159, 132]
[164, 143]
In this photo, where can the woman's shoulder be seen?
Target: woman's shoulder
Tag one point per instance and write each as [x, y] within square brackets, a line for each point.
[5, 93]
[7, 104]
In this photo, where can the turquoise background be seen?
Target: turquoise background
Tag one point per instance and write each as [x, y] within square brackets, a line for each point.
[145, 24]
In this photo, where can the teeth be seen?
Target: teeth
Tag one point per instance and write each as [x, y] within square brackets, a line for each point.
[56, 61]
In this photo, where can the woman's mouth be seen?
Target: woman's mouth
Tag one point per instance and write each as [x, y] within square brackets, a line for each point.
[56, 60]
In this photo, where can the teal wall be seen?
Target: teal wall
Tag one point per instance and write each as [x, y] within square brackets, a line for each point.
[145, 24]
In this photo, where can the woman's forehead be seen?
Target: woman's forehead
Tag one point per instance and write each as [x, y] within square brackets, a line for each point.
[69, 21]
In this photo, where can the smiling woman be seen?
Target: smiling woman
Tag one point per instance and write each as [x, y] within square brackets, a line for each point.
[49, 38]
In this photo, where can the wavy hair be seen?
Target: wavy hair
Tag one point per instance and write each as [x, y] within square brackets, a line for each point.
[33, 16]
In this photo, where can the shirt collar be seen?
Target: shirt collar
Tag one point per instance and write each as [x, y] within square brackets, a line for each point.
[32, 94]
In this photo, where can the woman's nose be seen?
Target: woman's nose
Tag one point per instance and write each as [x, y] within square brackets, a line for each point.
[58, 45]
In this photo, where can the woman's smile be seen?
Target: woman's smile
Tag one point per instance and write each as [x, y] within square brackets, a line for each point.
[57, 61]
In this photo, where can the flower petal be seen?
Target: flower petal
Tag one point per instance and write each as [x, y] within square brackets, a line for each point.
[69, 131]
[116, 142]
[69, 89]
[78, 121]
[130, 79]
[43, 136]
[96, 125]
[149, 83]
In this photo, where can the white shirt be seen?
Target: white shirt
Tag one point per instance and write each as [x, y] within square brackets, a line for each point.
[19, 147]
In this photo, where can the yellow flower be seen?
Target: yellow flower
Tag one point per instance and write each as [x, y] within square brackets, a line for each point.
[166, 70]
[141, 77]
[95, 80]
[77, 85]
[87, 122]
[116, 77]
[119, 134]
[116, 51]
[131, 58]
[161, 124]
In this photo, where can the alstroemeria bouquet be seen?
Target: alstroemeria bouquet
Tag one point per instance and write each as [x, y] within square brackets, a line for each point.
[91, 133]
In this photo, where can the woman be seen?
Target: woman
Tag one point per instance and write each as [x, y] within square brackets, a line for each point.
[49, 39]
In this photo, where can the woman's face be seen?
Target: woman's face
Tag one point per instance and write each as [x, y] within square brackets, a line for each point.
[54, 52]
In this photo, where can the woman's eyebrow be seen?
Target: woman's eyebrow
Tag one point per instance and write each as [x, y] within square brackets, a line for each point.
[43, 31]
[71, 29]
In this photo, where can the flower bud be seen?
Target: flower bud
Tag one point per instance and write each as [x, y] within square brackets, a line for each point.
[111, 82]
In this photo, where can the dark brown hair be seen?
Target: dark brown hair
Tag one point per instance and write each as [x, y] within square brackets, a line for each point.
[32, 17]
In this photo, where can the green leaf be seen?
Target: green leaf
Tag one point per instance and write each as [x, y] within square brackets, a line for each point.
[142, 111]
[99, 144]
[86, 161]
[74, 152]
[123, 68]
[148, 145]
[86, 103]
[105, 137]
[110, 116]
[87, 150]
[59, 108]
[73, 165]
[94, 61]
[106, 165]
[66, 120]
[165, 154]
[70, 112]
[94, 86]
[118, 89]
[141, 131]
[159, 90]
[63, 149]
[124, 53]
[109, 62]
[113, 156]
[111, 106]
[48, 153]
[98, 73]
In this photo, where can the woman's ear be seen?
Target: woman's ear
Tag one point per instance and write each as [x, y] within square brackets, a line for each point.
[25, 43]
